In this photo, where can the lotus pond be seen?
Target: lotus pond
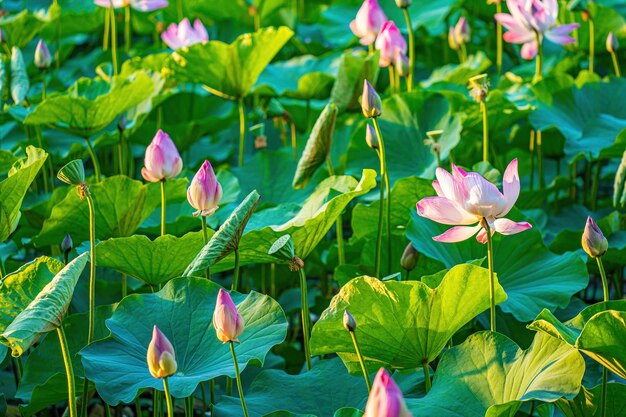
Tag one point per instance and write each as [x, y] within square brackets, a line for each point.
[294, 208]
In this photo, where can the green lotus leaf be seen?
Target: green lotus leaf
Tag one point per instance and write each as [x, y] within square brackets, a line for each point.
[19, 78]
[309, 225]
[183, 311]
[355, 67]
[402, 324]
[459, 73]
[405, 120]
[619, 186]
[490, 376]
[227, 237]
[599, 331]
[46, 311]
[533, 277]
[14, 189]
[229, 70]
[151, 261]
[588, 402]
[22, 27]
[90, 105]
[44, 381]
[590, 118]
[317, 146]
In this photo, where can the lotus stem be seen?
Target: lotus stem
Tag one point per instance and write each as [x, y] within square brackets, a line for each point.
[483, 110]
[179, 10]
[384, 181]
[605, 373]
[463, 50]
[94, 159]
[205, 235]
[531, 147]
[43, 85]
[338, 222]
[595, 185]
[163, 203]
[239, 386]
[306, 318]
[107, 25]
[69, 370]
[366, 375]
[542, 179]
[138, 412]
[294, 140]
[592, 44]
[392, 79]
[242, 131]
[57, 42]
[538, 59]
[92, 265]
[127, 28]
[499, 39]
[235, 283]
[113, 41]
[409, 80]
[616, 65]
[168, 398]
[492, 284]
[427, 384]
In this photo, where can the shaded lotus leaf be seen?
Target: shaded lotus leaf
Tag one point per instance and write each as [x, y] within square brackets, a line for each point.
[532, 277]
[588, 402]
[22, 27]
[90, 105]
[182, 310]
[227, 237]
[46, 311]
[19, 78]
[402, 324]
[44, 381]
[355, 67]
[14, 188]
[490, 376]
[590, 118]
[619, 185]
[229, 70]
[151, 261]
[599, 331]
[307, 227]
[317, 146]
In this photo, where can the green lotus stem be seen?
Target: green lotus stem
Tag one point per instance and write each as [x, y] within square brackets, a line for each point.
[163, 208]
[294, 141]
[189, 406]
[306, 318]
[499, 39]
[107, 24]
[463, 52]
[113, 41]
[138, 412]
[384, 179]
[57, 41]
[427, 384]
[538, 59]
[366, 375]
[409, 79]
[531, 147]
[92, 265]
[392, 79]
[205, 235]
[212, 391]
[94, 159]
[179, 10]
[273, 280]
[338, 222]
[235, 283]
[229, 387]
[168, 398]
[370, 49]
[157, 403]
[107, 410]
[595, 185]
[69, 370]
[239, 386]
[127, 26]
[483, 110]
[592, 44]
[616, 65]
[605, 373]
[242, 131]
[492, 284]
[43, 85]
[542, 179]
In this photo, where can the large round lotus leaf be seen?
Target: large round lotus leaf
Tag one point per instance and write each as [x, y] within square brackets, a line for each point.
[402, 324]
[490, 376]
[599, 331]
[183, 310]
[533, 277]
[588, 402]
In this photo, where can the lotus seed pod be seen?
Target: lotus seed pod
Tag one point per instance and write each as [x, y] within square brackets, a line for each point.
[72, 173]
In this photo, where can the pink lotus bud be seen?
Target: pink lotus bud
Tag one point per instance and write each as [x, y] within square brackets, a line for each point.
[162, 160]
[349, 323]
[370, 101]
[181, 35]
[612, 43]
[593, 241]
[368, 21]
[161, 358]
[371, 137]
[452, 41]
[385, 399]
[141, 5]
[462, 29]
[43, 59]
[204, 192]
[390, 42]
[409, 257]
[67, 244]
[226, 319]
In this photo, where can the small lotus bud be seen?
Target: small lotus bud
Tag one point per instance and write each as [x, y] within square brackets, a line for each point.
[161, 358]
[593, 241]
[409, 257]
[403, 4]
[72, 173]
[402, 64]
[204, 192]
[612, 44]
[452, 41]
[370, 101]
[385, 398]
[348, 321]
[122, 124]
[227, 321]
[67, 244]
[43, 59]
[462, 31]
[371, 138]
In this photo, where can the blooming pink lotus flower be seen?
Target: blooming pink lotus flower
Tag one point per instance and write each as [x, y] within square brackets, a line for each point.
[385, 399]
[204, 192]
[530, 19]
[390, 43]
[162, 160]
[227, 321]
[161, 358]
[368, 21]
[183, 34]
[465, 198]
[141, 5]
